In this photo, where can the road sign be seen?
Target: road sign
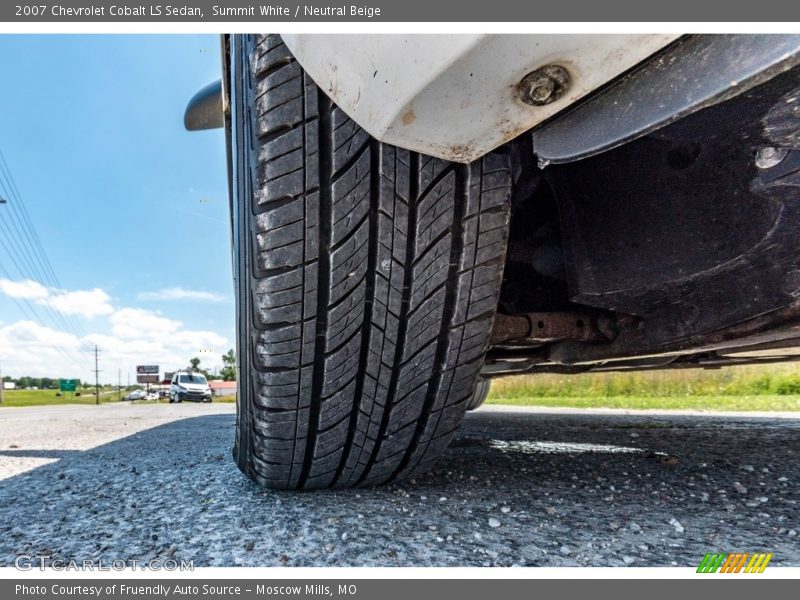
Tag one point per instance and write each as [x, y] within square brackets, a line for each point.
[67, 385]
[147, 378]
[147, 369]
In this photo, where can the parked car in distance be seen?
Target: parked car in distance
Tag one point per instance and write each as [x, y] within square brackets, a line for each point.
[135, 395]
[189, 386]
[152, 396]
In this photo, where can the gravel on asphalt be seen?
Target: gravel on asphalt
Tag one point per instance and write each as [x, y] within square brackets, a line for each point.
[517, 486]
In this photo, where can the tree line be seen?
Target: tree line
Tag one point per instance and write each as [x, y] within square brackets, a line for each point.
[226, 373]
[43, 383]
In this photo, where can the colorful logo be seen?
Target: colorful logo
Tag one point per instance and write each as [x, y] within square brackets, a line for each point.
[735, 563]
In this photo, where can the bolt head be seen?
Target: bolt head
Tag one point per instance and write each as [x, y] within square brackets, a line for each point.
[540, 90]
[544, 85]
[768, 157]
[791, 283]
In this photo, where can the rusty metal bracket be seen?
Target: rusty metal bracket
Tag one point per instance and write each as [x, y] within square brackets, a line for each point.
[543, 327]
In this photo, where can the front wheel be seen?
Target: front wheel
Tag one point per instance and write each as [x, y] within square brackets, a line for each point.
[367, 279]
[480, 394]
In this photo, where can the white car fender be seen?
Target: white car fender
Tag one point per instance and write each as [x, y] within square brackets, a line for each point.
[458, 96]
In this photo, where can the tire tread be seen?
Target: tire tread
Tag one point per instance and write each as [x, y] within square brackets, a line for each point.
[373, 284]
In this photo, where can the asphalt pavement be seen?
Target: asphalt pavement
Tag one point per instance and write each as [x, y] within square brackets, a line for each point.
[517, 487]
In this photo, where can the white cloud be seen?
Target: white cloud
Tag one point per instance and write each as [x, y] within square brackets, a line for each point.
[179, 293]
[137, 323]
[26, 289]
[35, 335]
[129, 337]
[87, 303]
[27, 348]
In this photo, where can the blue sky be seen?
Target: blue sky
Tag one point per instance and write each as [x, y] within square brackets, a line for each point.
[132, 210]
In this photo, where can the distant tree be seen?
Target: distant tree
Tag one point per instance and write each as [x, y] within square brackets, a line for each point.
[194, 364]
[229, 369]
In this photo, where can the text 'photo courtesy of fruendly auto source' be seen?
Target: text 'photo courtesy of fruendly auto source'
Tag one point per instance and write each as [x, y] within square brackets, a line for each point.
[349, 297]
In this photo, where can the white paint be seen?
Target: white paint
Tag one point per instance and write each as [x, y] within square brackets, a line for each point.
[529, 447]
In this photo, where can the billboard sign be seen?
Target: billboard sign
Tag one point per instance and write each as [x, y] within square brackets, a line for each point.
[147, 369]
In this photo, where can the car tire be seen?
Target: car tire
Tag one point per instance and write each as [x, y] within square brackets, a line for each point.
[367, 279]
[480, 394]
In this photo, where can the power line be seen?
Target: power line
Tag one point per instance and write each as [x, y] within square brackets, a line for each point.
[58, 323]
[36, 240]
[27, 252]
[34, 252]
[25, 255]
[37, 318]
[30, 260]
[58, 320]
[57, 316]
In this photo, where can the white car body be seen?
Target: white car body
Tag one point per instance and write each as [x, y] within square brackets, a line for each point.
[189, 386]
[456, 96]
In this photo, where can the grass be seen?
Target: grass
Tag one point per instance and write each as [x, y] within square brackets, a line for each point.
[757, 388]
[708, 403]
[49, 398]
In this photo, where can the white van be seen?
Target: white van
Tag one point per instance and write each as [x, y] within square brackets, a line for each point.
[189, 386]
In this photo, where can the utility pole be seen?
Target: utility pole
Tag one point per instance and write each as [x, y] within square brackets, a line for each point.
[119, 384]
[96, 378]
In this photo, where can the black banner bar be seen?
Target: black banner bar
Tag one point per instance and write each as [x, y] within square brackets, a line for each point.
[470, 11]
[391, 589]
